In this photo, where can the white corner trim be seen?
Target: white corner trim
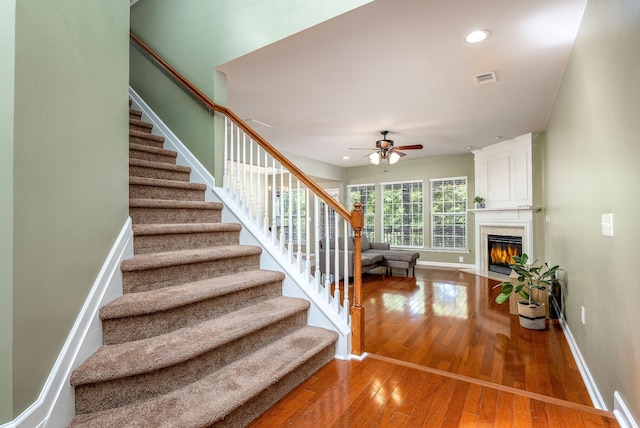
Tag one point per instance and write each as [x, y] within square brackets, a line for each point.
[622, 413]
[425, 264]
[590, 383]
[57, 393]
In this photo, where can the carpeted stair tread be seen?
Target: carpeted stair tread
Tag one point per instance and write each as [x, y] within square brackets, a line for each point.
[145, 135]
[134, 112]
[216, 395]
[156, 182]
[158, 165]
[153, 150]
[163, 203]
[184, 257]
[140, 125]
[147, 355]
[170, 229]
[146, 302]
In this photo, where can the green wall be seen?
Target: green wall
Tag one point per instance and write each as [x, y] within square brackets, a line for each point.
[7, 78]
[70, 174]
[423, 169]
[195, 37]
[592, 155]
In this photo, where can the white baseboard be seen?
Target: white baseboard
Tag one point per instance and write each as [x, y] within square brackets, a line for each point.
[426, 264]
[622, 413]
[56, 404]
[590, 383]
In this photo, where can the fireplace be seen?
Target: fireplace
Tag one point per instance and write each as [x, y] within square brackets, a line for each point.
[500, 250]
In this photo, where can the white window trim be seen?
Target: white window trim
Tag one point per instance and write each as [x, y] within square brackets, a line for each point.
[448, 249]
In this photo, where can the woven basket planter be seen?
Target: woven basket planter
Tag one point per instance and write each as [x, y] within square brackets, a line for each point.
[532, 316]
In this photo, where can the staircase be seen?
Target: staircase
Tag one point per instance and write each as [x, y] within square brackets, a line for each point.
[201, 335]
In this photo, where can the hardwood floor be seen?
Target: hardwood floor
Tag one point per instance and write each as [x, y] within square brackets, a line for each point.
[443, 353]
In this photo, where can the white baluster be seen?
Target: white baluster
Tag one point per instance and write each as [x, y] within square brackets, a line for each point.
[345, 304]
[245, 205]
[225, 174]
[250, 207]
[258, 190]
[274, 205]
[327, 234]
[316, 234]
[336, 270]
[266, 194]
[238, 193]
[281, 213]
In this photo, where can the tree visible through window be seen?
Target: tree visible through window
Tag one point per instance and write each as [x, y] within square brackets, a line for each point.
[365, 194]
[402, 219]
[298, 205]
[449, 213]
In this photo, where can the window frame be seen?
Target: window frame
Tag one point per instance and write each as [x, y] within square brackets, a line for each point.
[419, 205]
[368, 208]
[461, 205]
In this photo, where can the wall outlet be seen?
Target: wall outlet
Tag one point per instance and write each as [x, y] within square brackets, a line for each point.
[461, 259]
[583, 317]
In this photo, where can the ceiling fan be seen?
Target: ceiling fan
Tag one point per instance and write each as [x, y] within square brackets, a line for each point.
[385, 150]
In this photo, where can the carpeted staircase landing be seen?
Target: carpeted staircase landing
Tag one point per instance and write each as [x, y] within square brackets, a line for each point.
[202, 335]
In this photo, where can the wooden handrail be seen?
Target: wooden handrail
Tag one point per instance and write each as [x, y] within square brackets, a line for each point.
[337, 206]
[355, 218]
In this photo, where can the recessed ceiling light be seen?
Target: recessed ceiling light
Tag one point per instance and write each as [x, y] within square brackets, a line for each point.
[345, 157]
[476, 36]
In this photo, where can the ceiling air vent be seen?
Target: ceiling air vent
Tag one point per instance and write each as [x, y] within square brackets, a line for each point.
[483, 78]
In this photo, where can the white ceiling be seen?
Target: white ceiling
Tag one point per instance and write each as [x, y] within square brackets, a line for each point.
[403, 66]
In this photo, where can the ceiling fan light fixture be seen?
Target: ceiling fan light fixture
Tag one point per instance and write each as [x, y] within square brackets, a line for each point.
[393, 158]
[375, 158]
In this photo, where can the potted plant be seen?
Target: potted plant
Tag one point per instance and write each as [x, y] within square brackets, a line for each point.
[479, 202]
[531, 279]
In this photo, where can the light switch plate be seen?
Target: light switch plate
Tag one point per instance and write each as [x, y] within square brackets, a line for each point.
[607, 224]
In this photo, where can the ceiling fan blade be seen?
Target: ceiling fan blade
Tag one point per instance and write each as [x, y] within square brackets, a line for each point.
[399, 153]
[410, 147]
[360, 148]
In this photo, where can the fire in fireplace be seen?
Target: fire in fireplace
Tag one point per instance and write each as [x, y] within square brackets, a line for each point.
[500, 250]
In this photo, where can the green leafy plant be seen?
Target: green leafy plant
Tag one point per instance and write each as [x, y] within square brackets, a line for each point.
[530, 277]
[478, 199]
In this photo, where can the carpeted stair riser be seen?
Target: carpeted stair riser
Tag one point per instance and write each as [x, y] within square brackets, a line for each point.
[228, 391]
[95, 397]
[153, 154]
[152, 238]
[135, 114]
[144, 325]
[158, 170]
[145, 188]
[160, 211]
[140, 126]
[259, 404]
[165, 276]
[146, 139]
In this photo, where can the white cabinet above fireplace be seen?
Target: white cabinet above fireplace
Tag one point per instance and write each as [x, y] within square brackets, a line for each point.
[503, 174]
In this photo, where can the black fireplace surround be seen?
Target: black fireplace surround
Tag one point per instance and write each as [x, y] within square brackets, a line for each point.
[500, 250]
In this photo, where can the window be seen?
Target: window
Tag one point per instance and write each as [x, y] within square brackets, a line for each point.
[449, 213]
[402, 217]
[366, 195]
[298, 204]
[335, 194]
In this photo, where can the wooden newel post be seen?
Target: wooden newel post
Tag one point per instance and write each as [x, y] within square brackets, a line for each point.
[357, 311]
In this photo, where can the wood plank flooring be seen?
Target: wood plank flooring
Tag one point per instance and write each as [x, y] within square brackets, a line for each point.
[443, 354]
